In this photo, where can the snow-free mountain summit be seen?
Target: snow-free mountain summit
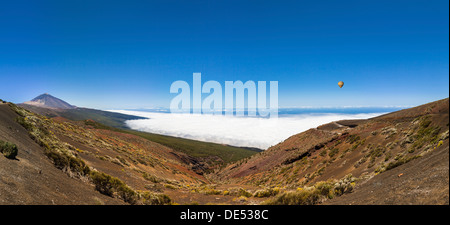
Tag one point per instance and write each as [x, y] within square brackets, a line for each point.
[47, 101]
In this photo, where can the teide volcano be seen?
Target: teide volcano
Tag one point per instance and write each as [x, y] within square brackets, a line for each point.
[48, 101]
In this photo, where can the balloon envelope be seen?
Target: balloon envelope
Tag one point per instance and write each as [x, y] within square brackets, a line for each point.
[341, 84]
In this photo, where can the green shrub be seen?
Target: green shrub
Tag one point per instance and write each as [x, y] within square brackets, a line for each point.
[344, 185]
[353, 138]
[245, 193]
[126, 193]
[113, 186]
[312, 195]
[211, 191]
[333, 152]
[21, 120]
[374, 153]
[8, 149]
[302, 197]
[103, 183]
[151, 177]
[324, 188]
[266, 192]
[67, 162]
[170, 186]
[400, 161]
[425, 134]
[149, 198]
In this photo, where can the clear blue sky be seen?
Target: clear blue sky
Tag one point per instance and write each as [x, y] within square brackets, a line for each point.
[125, 54]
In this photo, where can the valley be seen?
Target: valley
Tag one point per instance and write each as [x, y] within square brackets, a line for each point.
[396, 158]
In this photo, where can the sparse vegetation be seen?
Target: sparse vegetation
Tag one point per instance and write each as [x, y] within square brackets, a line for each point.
[245, 193]
[114, 187]
[355, 141]
[302, 197]
[60, 153]
[353, 138]
[321, 191]
[426, 134]
[324, 188]
[400, 161]
[151, 178]
[333, 152]
[149, 198]
[374, 153]
[389, 132]
[64, 157]
[267, 192]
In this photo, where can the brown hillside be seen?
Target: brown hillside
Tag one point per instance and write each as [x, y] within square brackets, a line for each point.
[47, 169]
[31, 178]
[365, 149]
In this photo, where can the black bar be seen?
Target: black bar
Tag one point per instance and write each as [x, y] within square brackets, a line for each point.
[228, 214]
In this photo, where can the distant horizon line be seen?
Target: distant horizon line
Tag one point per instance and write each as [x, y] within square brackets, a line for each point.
[289, 107]
[280, 108]
[305, 107]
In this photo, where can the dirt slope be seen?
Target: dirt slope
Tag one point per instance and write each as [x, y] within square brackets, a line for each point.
[150, 169]
[374, 149]
[32, 178]
[424, 181]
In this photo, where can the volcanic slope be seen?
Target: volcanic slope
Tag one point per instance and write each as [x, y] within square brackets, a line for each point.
[48, 101]
[66, 162]
[404, 153]
[31, 178]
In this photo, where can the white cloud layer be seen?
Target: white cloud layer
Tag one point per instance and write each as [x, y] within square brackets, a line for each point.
[238, 131]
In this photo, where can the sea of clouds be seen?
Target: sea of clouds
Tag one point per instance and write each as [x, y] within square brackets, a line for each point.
[237, 131]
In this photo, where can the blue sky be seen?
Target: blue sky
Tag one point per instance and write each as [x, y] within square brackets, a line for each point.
[126, 54]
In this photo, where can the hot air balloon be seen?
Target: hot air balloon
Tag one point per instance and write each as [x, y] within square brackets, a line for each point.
[340, 83]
